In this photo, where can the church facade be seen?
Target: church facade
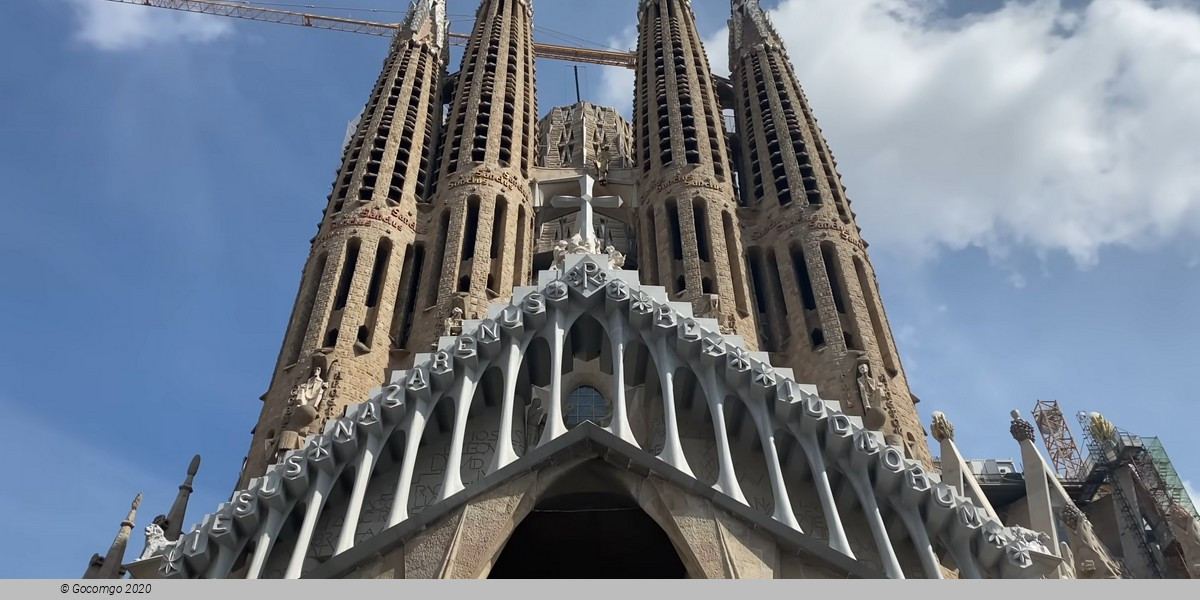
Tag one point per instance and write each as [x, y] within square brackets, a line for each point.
[584, 347]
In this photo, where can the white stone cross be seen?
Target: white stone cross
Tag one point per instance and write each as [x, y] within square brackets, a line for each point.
[586, 203]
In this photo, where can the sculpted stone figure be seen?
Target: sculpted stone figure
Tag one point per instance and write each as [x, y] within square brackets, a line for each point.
[577, 245]
[874, 397]
[303, 410]
[730, 326]
[1032, 540]
[616, 260]
[713, 310]
[560, 256]
[453, 324]
[288, 440]
[156, 540]
[312, 392]
[603, 163]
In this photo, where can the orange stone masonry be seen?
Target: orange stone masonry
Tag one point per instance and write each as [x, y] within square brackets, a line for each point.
[818, 301]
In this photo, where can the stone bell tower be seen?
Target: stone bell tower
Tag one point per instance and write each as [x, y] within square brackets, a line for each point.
[816, 296]
[481, 214]
[689, 218]
[340, 335]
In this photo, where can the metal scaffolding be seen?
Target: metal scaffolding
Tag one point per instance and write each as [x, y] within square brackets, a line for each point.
[1167, 477]
[1060, 445]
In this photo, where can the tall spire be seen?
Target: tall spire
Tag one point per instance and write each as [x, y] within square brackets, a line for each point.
[750, 26]
[817, 297]
[426, 20]
[354, 306]
[690, 231]
[179, 507]
[480, 216]
[110, 566]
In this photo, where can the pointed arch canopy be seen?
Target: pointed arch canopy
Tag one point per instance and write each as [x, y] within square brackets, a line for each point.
[938, 520]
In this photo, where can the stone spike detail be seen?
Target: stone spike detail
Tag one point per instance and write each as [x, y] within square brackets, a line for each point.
[819, 306]
[179, 508]
[110, 566]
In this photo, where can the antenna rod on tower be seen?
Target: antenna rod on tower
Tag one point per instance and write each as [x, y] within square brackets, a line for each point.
[578, 98]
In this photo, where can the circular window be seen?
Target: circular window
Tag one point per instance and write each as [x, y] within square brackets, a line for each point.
[586, 404]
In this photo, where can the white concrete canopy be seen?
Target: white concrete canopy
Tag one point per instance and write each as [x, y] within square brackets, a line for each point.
[805, 445]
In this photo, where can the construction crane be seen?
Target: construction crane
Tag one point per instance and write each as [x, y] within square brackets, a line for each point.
[1065, 455]
[250, 12]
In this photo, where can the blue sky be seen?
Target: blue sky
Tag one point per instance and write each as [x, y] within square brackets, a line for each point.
[1026, 174]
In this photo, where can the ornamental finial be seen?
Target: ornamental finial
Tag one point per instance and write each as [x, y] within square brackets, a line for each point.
[1020, 429]
[941, 428]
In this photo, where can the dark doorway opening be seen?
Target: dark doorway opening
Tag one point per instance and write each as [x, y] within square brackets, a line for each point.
[588, 535]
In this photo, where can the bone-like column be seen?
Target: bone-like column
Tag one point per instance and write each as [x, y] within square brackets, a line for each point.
[416, 427]
[727, 482]
[766, 435]
[362, 477]
[225, 558]
[554, 412]
[464, 392]
[820, 475]
[620, 421]
[911, 517]
[262, 546]
[672, 451]
[312, 510]
[511, 359]
[268, 532]
[968, 567]
[866, 496]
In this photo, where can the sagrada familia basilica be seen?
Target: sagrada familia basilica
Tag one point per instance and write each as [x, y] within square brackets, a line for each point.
[584, 347]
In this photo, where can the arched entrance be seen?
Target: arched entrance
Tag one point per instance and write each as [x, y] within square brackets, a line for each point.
[578, 531]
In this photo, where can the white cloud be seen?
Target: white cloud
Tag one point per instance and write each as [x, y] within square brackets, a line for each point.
[617, 83]
[112, 26]
[1031, 126]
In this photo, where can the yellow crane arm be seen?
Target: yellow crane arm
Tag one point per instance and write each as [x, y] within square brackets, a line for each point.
[271, 15]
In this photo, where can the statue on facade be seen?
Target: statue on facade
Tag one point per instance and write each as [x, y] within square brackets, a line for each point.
[312, 392]
[730, 326]
[616, 260]
[1032, 540]
[603, 163]
[560, 256]
[577, 245]
[453, 323]
[874, 397]
[712, 308]
[156, 539]
[304, 408]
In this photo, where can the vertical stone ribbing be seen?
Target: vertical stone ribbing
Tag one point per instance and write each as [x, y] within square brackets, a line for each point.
[831, 319]
[686, 187]
[483, 188]
[343, 313]
[573, 136]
